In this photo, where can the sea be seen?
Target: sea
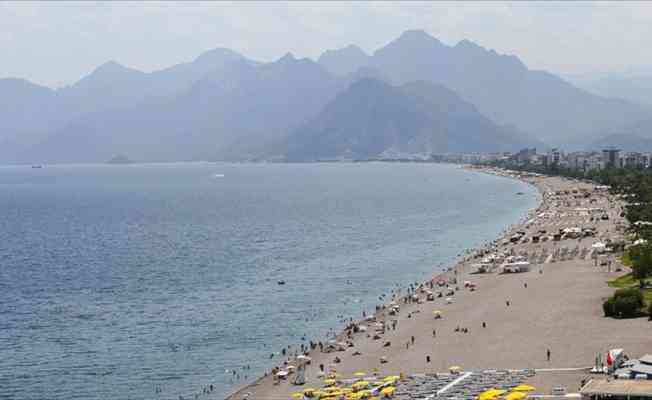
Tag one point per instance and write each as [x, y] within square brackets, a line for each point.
[155, 281]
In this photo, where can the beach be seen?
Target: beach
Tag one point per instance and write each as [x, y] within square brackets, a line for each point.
[500, 320]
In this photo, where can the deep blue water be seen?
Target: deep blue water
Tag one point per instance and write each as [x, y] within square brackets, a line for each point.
[150, 281]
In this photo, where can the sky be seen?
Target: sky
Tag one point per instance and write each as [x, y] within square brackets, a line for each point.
[57, 43]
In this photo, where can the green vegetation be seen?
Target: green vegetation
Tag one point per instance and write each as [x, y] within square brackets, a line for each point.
[625, 303]
[630, 285]
[625, 260]
[641, 259]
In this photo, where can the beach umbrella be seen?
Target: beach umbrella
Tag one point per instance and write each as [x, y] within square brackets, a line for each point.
[329, 381]
[523, 388]
[309, 390]
[516, 396]
[391, 378]
[491, 394]
[388, 391]
[297, 395]
[360, 374]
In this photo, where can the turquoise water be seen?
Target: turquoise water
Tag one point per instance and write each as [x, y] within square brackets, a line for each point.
[151, 281]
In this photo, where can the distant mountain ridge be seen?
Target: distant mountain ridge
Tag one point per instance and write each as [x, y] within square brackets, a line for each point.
[372, 119]
[637, 89]
[225, 106]
[502, 87]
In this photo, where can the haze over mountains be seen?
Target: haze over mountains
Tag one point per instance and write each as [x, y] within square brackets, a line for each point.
[414, 95]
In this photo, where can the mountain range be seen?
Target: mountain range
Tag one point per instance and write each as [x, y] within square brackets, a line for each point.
[225, 106]
[372, 119]
[636, 89]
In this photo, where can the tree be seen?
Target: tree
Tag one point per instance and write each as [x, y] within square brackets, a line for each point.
[641, 256]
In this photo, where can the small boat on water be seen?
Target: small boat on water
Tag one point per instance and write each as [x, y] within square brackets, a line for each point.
[281, 282]
[37, 166]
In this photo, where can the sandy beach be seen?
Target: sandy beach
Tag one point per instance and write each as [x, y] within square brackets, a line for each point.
[555, 306]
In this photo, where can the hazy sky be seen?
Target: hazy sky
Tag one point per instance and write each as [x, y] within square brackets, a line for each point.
[56, 43]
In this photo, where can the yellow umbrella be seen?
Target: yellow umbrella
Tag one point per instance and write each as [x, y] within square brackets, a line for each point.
[523, 388]
[490, 394]
[388, 391]
[297, 395]
[360, 373]
[516, 396]
[329, 381]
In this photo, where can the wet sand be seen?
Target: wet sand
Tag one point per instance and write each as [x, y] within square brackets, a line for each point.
[560, 309]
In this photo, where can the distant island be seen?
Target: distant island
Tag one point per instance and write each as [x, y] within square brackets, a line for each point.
[120, 159]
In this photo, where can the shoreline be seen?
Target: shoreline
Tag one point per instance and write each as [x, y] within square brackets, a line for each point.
[455, 268]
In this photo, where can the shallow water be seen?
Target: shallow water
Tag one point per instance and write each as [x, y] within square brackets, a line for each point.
[151, 281]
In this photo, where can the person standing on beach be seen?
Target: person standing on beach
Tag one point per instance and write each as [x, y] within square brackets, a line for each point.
[548, 354]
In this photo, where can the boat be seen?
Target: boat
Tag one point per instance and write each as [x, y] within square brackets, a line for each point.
[37, 166]
[281, 282]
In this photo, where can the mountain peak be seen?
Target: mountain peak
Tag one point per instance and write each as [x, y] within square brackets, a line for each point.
[217, 55]
[110, 66]
[288, 57]
[417, 35]
[344, 61]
